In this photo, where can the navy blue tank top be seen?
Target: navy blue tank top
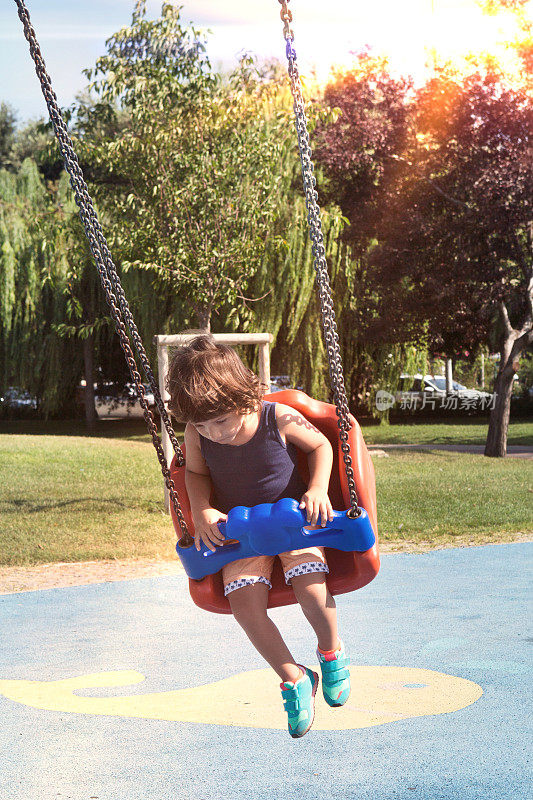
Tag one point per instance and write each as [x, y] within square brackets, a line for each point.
[262, 470]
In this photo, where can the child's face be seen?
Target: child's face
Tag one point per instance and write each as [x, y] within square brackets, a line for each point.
[223, 429]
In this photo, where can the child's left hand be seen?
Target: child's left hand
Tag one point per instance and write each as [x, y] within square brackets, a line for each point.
[317, 504]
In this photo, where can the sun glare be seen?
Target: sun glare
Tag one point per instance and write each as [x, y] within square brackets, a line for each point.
[435, 33]
[455, 36]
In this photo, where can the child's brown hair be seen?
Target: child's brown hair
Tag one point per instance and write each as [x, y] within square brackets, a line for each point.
[207, 379]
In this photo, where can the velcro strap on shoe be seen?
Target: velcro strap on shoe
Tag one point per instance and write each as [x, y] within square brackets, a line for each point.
[338, 677]
[330, 668]
[291, 705]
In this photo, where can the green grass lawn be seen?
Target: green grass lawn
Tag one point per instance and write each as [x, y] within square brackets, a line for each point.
[133, 429]
[453, 432]
[68, 497]
[437, 497]
[467, 431]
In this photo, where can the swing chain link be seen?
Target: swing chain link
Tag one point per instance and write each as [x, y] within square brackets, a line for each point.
[110, 280]
[286, 16]
[327, 310]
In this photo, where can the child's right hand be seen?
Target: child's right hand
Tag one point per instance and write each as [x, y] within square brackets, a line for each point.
[206, 528]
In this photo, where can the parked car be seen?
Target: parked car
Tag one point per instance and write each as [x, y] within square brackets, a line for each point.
[18, 398]
[280, 382]
[439, 382]
[17, 403]
[116, 400]
[428, 392]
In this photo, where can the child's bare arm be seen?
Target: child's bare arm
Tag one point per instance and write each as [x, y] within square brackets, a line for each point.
[200, 489]
[293, 427]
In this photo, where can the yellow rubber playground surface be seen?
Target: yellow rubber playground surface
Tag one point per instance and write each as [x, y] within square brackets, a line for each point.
[127, 691]
[390, 693]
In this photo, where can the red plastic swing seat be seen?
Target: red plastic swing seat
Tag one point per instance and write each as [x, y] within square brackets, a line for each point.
[347, 571]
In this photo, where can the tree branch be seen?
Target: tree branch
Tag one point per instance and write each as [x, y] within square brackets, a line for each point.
[254, 299]
[504, 315]
[431, 183]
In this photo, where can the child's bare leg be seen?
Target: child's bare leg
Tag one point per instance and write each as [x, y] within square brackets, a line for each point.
[249, 607]
[318, 606]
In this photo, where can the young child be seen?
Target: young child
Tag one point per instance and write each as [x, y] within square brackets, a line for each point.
[241, 450]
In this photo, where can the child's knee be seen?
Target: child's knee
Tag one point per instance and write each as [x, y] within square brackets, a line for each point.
[249, 603]
[311, 585]
[312, 590]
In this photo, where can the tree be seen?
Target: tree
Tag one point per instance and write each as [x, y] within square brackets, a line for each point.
[35, 140]
[359, 149]
[53, 318]
[86, 317]
[473, 157]
[33, 267]
[188, 179]
[357, 146]
[448, 202]
[8, 120]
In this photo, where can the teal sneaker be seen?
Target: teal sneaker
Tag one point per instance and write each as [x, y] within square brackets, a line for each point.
[299, 702]
[335, 677]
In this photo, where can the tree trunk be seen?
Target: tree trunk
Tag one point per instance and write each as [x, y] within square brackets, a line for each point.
[513, 342]
[88, 361]
[496, 444]
[203, 315]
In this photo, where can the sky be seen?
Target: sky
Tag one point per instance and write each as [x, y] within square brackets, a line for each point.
[72, 35]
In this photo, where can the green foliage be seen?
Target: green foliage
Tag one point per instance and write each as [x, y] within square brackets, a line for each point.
[34, 141]
[289, 310]
[197, 183]
[7, 132]
[192, 162]
[32, 275]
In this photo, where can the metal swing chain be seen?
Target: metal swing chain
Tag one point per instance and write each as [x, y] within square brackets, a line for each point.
[108, 274]
[329, 324]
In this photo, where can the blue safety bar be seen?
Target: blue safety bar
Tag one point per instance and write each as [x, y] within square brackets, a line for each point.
[272, 528]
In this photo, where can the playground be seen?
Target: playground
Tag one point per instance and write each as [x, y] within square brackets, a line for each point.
[100, 651]
[163, 631]
[105, 705]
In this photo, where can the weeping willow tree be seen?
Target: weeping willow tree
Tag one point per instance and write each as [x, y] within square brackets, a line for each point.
[87, 317]
[289, 309]
[46, 290]
[32, 276]
[55, 326]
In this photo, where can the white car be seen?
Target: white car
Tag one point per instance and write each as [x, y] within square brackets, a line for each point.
[439, 382]
[17, 399]
[113, 401]
[429, 391]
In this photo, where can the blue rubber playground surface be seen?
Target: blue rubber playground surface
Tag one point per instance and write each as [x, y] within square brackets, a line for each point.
[127, 691]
